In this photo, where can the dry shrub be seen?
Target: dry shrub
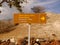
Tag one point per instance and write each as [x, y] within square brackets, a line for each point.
[6, 26]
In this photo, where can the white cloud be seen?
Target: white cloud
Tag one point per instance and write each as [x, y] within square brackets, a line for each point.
[47, 2]
[6, 12]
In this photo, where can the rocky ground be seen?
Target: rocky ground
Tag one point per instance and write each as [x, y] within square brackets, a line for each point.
[50, 30]
[20, 31]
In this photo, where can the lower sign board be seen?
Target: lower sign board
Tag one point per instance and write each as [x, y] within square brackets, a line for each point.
[30, 18]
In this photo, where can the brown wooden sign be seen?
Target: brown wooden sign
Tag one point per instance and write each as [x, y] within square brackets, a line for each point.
[30, 18]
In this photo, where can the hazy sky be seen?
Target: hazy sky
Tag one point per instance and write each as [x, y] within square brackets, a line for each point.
[50, 5]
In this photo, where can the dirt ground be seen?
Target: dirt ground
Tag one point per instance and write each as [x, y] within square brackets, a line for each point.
[50, 30]
[21, 31]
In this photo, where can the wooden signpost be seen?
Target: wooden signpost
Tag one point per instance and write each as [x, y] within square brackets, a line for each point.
[30, 19]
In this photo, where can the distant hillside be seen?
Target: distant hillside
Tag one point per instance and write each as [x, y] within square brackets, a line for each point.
[49, 30]
[5, 26]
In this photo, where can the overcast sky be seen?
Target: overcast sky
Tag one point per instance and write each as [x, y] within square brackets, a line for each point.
[50, 5]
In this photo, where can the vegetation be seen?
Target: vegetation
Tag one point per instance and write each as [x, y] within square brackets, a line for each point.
[38, 9]
[6, 26]
[16, 3]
